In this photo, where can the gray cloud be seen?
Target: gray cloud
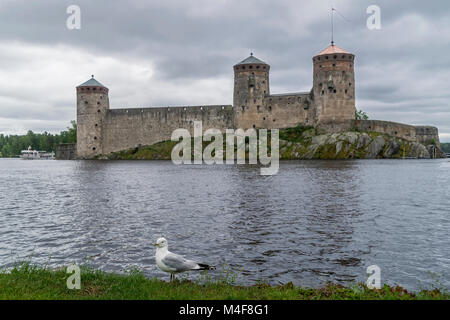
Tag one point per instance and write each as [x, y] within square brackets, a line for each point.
[182, 52]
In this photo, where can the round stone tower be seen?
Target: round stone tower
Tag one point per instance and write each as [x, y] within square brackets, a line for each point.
[334, 85]
[251, 85]
[92, 105]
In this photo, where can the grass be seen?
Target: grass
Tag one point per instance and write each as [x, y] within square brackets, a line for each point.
[27, 282]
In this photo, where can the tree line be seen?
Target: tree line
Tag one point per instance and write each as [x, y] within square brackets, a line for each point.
[12, 145]
[445, 147]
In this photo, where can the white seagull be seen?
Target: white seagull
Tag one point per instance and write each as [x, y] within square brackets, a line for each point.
[174, 263]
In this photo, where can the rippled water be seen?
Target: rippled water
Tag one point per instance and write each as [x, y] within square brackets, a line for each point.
[313, 222]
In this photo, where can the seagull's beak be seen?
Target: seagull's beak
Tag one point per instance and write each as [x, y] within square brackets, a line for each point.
[155, 244]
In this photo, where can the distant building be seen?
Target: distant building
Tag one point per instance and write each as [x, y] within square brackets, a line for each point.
[66, 151]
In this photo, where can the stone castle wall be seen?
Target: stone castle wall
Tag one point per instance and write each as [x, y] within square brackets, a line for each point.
[334, 87]
[128, 128]
[394, 129]
[330, 106]
[423, 134]
[427, 135]
[92, 107]
[66, 151]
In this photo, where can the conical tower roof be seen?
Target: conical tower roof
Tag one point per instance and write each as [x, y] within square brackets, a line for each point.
[331, 49]
[250, 60]
[92, 83]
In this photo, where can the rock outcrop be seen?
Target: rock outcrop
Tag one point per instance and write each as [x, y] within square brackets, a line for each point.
[309, 143]
[355, 145]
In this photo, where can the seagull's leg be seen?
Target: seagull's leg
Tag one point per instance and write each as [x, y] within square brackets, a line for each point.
[171, 277]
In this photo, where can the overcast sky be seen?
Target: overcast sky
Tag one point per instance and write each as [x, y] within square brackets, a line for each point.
[162, 53]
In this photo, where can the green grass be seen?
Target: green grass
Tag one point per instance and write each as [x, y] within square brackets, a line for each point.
[31, 282]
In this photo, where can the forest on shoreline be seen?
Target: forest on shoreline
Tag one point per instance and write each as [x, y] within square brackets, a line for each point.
[12, 145]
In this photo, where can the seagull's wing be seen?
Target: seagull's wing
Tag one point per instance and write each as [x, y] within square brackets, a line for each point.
[179, 263]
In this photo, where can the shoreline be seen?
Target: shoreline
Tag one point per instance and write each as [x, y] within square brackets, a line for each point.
[25, 282]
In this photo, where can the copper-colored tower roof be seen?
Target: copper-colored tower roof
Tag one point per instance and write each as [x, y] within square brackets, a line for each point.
[332, 49]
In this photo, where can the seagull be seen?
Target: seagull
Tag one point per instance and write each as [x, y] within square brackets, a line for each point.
[174, 263]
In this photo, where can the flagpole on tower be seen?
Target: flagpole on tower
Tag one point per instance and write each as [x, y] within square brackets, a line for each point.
[332, 26]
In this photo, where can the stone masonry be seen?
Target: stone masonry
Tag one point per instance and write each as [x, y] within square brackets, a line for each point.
[329, 105]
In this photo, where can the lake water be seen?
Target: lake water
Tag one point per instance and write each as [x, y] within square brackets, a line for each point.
[314, 222]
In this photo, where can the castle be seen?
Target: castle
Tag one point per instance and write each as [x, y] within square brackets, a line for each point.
[330, 105]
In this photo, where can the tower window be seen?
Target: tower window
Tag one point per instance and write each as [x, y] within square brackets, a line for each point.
[250, 67]
[334, 64]
[270, 108]
[345, 90]
[326, 57]
[95, 138]
[96, 125]
[254, 126]
[257, 108]
[86, 102]
[243, 108]
[99, 110]
[257, 67]
[264, 118]
[243, 68]
[334, 91]
[335, 57]
[322, 92]
[93, 148]
[343, 57]
[349, 84]
[98, 102]
[264, 67]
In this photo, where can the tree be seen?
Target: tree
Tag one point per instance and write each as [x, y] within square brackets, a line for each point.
[361, 115]
[12, 145]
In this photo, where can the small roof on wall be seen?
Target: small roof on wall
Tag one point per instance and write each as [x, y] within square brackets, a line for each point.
[251, 59]
[332, 49]
[91, 83]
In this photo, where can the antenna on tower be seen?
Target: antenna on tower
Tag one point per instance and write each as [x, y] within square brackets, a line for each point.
[332, 26]
[332, 23]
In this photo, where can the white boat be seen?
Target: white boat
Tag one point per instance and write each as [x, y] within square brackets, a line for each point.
[36, 155]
